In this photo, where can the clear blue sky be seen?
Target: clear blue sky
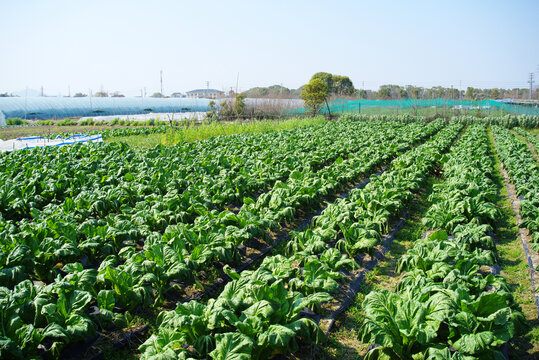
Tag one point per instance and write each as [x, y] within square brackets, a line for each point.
[122, 45]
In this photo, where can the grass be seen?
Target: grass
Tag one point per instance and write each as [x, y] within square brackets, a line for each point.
[208, 130]
[205, 131]
[138, 141]
[188, 133]
[514, 266]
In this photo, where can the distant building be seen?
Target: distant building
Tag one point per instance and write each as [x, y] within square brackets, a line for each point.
[177, 95]
[205, 94]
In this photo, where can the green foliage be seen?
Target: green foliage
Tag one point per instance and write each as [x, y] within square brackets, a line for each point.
[336, 84]
[239, 105]
[142, 221]
[443, 301]
[314, 94]
[16, 121]
[205, 131]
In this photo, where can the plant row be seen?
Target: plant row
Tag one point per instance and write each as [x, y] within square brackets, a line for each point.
[448, 304]
[128, 221]
[508, 121]
[90, 272]
[263, 312]
[523, 170]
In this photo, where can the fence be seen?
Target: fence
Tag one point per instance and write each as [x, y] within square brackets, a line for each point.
[417, 106]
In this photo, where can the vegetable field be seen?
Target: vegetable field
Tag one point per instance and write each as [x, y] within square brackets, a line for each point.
[251, 246]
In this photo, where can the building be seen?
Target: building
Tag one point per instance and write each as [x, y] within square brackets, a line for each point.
[205, 94]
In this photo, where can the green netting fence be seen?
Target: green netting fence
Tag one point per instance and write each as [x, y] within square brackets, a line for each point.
[417, 106]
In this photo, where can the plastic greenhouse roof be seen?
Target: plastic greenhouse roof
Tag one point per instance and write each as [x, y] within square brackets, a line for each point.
[58, 107]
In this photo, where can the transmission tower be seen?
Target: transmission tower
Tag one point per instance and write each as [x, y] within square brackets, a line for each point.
[531, 83]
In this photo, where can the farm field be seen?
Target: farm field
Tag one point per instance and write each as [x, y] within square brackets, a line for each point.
[389, 237]
[160, 133]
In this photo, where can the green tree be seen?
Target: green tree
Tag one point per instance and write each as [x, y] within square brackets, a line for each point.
[384, 93]
[212, 113]
[362, 94]
[314, 94]
[239, 105]
[403, 94]
[80, 95]
[337, 84]
[471, 93]
[342, 85]
[225, 109]
[327, 78]
[414, 92]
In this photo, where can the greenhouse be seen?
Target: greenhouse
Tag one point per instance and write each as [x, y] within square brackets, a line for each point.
[58, 107]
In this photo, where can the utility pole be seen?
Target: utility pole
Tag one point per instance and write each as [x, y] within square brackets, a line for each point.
[237, 81]
[42, 91]
[161, 75]
[531, 83]
[207, 85]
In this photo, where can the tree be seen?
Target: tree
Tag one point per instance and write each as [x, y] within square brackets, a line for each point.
[239, 105]
[342, 85]
[157, 95]
[80, 95]
[101, 94]
[414, 92]
[314, 94]
[327, 78]
[471, 93]
[212, 113]
[403, 94]
[225, 109]
[337, 84]
[384, 93]
[363, 94]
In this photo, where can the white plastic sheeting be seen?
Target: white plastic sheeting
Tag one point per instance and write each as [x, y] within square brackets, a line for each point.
[36, 141]
[60, 107]
[150, 116]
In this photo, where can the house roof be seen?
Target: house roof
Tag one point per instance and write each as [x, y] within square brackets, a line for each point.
[204, 91]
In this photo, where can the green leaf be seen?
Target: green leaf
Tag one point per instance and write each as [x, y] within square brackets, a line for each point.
[474, 343]
[276, 337]
[232, 346]
[106, 300]
[438, 235]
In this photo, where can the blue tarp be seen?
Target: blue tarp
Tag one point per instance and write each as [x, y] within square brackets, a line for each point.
[59, 108]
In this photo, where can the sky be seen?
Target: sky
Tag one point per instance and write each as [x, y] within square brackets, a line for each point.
[82, 46]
